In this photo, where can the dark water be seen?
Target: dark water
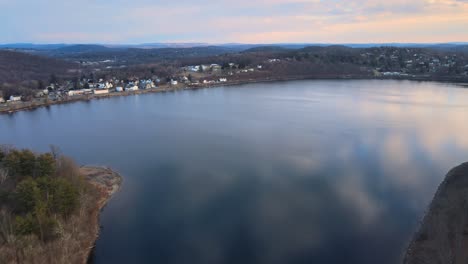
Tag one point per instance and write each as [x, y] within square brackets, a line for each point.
[294, 172]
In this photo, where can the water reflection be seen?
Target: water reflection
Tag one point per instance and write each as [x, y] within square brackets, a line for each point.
[294, 172]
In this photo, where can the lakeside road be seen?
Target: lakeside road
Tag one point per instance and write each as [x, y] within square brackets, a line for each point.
[443, 234]
[9, 108]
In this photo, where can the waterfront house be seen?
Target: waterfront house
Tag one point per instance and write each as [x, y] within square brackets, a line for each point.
[222, 79]
[131, 88]
[119, 89]
[174, 82]
[14, 98]
[2, 100]
[76, 92]
[101, 91]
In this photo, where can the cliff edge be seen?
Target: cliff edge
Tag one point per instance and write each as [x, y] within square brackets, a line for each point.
[443, 235]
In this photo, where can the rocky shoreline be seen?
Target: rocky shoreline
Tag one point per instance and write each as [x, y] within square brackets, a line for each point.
[443, 234]
[107, 182]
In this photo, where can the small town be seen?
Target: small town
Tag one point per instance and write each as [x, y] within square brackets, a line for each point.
[220, 132]
[383, 63]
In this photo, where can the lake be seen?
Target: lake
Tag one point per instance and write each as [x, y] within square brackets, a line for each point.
[287, 172]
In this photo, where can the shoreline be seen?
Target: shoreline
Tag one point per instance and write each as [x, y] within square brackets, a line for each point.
[443, 234]
[29, 106]
[107, 182]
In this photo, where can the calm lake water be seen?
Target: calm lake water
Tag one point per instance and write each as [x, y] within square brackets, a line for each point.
[293, 172]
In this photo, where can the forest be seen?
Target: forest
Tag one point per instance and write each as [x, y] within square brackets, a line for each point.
[44, 206]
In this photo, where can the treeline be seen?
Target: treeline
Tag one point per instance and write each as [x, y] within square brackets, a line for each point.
[17, 67]
[40, 195]
[23, 74]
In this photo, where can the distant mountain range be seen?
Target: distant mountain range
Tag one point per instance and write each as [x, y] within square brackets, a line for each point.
[237, 46]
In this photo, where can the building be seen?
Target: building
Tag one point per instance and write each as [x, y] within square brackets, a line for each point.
[101, 91]
[222, 79]
[14, 98]
[76, 92]
[174, 82]
[131, 88]
[215, 67]
[119, 89]
[2, 100]
[205, 67]
[147, 84]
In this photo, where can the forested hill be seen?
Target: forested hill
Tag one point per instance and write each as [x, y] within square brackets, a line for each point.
[17, 67]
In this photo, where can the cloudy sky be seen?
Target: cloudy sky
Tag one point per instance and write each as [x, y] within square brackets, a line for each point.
[223, 21]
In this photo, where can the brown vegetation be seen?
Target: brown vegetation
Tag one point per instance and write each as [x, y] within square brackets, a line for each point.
[50, 207]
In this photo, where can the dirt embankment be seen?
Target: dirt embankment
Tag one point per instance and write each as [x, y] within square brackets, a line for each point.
[107, 182]
[443, 235]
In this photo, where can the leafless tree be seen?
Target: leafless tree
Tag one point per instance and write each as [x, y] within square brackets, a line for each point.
[3, 175]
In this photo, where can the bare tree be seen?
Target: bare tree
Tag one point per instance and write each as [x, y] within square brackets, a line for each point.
[6, 226]
[56, 152]
[3, 175]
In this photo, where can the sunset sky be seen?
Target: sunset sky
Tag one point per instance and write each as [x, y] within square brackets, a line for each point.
[242, 21]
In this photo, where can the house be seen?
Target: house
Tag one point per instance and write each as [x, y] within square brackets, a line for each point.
[215, 67]
[222, 79]
[205, 67]
[75, 92]
[119, 89]
[101, 91]
[147, 84]
[131, 88]
[259, 67]
[2, 100]
[14, 98]
[174, 82]
[193, 68]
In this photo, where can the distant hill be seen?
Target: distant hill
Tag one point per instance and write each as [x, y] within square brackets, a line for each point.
[31, 46]
[267, 49]
[18, 66]
[132, 55]
[82, 48]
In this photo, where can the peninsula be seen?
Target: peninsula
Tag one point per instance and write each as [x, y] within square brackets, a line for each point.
[50, 207]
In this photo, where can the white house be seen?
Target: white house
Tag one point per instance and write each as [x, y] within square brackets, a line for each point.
[205, 67]
[119, 89]
[131, 87]
[174, 82]
[101, 91]
[76, 92]
[222, 79]
[2, 100]
[14, 98]
[194, 68]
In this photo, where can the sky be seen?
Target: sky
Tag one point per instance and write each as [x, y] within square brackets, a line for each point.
[227, 21]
